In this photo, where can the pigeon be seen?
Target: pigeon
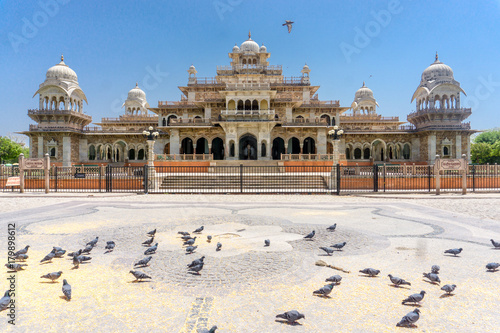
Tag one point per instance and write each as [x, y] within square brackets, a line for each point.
[435, 269]
[196, 268]
[66, 289]
[57, 248]
[152, 233]
[5, 300]
[143, 262]
[49, 256]
[492, 266]
[324, 291]
[495, 244]
[410, 319]
[77, 253]
[289, 25]
[332, 227]
[87, 249]
[190, 241]
[22, 251]
[151, 250]
[454, 251]
[339, 246]
[267, 242]
[110, 246]
[183, 233]
[311, 235]
[219, 245]
[15, 267]
[328, 250]
[415, 298]
[93, 242]
[186, 237]
[209, 238]
[449, 288]
[197, 231]
[21, 257]
[432, 277]
[398, 281]
[212, 330]
[139, 275]
[334, 278]
[196, 262]
[52, 276]
[84, 258]
[291, 316]
[59, 254]
[370, 271]
[191, 249]
[149, 241]
[77, 261]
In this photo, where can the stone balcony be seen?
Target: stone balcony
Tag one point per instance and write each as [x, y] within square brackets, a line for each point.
[247, 115]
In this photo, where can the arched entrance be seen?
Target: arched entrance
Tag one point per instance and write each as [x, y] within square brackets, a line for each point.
[248, 147]
[379, 150]
[187, 146]
[218, 149]
[293, 146]
[202, 146]
[278, 148]
[309, 146]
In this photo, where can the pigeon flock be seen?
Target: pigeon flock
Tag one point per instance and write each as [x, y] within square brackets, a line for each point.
[196, 266]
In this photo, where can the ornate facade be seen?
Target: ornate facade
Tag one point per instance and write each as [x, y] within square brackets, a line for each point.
[250, 111]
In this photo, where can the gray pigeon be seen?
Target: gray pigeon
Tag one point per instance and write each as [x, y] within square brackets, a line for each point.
[310, 235]
[432, 277]
[77, 253]
[191, 249]
[495, 244]
[370, 271]
[5, 300]
[449, 288]
[196, 269]
[139, 275]
[435, 269]
[93, 242]
[415, 298]
[197, 231]
[339, 246]
[324, 291]
[334, 278]
[21, 257]
[57, 248]
[454, 251]
[87, 249]
[332, 227]
[291, 316]
[267, 242]
[110, 246]
[151, 233]
[84, 258]
[49, 256]
[190, 241]
[66, 289]
[22, 251]
[196, 262]
[492, 266]
[398, 281]
[183, 233]
[219, 246]
[212, 330]
[149, 241]
[328, 250]
[52, 276]
[186, 237]
[288, 25]
[77, 261]
[151, 250]
[410, 319]
[143, 262]
[60, 254]
[209, 238]
[15, 267]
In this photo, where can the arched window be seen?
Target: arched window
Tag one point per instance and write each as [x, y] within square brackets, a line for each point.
[131, 154]
[347, 153]
[91, 153]
[231, 149]
[333, 121]
[164, 122]
[244, 62]
[231, 105]
[140, 154]
[52, 152]
[326, 118]
[248, 105]
[366, 154]
[240, 105]
[169, 119]
[309, 146]
[255, 105]
[406, 151]
[446, 151]
[263, 149]
[357, 153]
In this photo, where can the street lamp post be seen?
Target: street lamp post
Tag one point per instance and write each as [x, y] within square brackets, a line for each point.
[150, 136]
[335, 134]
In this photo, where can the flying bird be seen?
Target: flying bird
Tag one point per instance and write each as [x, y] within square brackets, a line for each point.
[289, 25]
[410, 319]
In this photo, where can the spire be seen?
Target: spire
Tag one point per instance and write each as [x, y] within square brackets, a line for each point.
[249, 35]
[363, 85]
[437, 58]
[62, 57]
[136, 85]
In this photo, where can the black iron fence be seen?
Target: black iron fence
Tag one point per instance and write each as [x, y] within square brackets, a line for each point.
[254, 179]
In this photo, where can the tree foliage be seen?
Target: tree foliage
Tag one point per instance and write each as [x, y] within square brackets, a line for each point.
[10, 150]
[486, 147]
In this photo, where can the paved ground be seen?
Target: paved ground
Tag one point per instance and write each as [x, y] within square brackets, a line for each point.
[245, 285]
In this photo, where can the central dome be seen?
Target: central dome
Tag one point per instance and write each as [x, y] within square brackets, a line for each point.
[363, 92]
[61, 71]
[437, 70]
[136, 93]
[249, 45]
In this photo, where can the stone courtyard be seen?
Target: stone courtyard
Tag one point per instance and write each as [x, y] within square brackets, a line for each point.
[242, 287]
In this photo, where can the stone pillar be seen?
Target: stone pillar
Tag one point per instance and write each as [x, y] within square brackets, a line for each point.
[151, 153]
[288, 113]
[431, 148]
[83, 148]
[174, 141]
[40, 147]
[208, 113]
[66, 151]
[301, 144]
[458, 143]
[321, 142]
[415, 150]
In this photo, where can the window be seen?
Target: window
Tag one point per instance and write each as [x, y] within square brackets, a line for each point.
[92, 153]
[446, 151]
[357, 153]
[406, 152]
[53, 152]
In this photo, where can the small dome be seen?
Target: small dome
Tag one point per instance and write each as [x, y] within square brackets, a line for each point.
[192, 67]
[363, 92]
[136, 93]
[236, 48]
[437, 70]
[263, 49]
[61, 71]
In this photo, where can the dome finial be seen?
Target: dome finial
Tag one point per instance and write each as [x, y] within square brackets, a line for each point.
[363, 84]
[249, 34]
[437, 58]
[62, 57]
[136, 85]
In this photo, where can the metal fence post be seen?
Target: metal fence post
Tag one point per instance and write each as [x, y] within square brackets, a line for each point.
[107, 175]
[384, 175]
[429, 177]
[473, 178]
[338, 179]
[241, 178]
[375, 178]
[145, 178]
[55, 178]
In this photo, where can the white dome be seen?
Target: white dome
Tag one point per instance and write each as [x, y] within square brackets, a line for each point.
[363, 92]
[236, 48]
[437, 70]
[136, 93]
[61, 71]
[249, 46]
[263, 49]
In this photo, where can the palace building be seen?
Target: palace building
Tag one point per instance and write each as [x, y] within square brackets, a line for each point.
[250, 111]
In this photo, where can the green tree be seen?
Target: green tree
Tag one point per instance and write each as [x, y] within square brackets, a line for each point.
[489, 137]
[481, 153]
[10, 150]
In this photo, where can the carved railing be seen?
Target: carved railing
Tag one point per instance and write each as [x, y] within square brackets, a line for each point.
[183, 157]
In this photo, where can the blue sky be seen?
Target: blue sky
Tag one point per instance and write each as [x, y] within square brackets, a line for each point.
[113, 44]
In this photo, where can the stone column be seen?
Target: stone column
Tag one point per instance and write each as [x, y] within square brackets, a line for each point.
[174, 142]
[151, 153]
[66, 151]
[40, 147]
[431, 148]
[458, 143]
[321, 142]
[83, 148]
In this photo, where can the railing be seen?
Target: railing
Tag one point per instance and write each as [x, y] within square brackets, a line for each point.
[364, 118]
[176, 103]
[291, 81]
[318, 103]
[43, 128]
[248, 86]
[183, 157]
[58, 112]
[249, 69]
[439, 110]
[247, 112]
[311, 157]
[405, 128]
[131, 118]
[304, 122]
[465, 126]
[190, 122]
[204, 81]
